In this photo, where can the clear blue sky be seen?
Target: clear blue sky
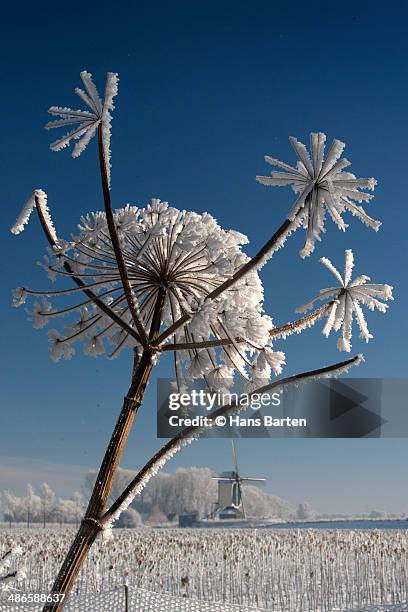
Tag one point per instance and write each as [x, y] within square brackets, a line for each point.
[206, 90]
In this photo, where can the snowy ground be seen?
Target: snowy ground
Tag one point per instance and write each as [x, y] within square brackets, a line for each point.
[385, 608]
[140, 600]
[253, 569]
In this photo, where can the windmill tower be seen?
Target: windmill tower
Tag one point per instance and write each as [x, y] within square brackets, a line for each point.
[230, 503]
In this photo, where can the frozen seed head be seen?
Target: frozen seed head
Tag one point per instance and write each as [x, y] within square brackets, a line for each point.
[86, 122]
[323, 187]
[180, 255]
[347, 301]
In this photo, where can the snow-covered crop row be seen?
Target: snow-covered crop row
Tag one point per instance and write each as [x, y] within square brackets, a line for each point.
[291, 570]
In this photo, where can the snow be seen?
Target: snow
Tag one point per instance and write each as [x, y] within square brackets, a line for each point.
[139, 600]
[291, 570]
[142, 600]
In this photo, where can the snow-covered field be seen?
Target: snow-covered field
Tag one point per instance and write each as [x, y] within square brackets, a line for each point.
[291, 570]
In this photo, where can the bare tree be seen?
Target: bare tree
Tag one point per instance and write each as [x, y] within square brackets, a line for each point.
[120, 481]
[130, 519]
[11, 506]
[166, 281]
[32, 505]
[47, 497]
[70, 510]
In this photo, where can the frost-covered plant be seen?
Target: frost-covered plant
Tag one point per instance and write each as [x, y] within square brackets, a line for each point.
[87, 121]
[11, 570]
[323, 186]
[296, 570]
[172, 256]
[161, 280]
[347, 298]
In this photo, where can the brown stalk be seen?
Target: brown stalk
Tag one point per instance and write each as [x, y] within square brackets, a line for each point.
[290, 328]
[116, 244]
[184, 346]
[91, 525]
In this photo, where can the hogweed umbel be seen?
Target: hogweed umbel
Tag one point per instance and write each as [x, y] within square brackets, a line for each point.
[346, 300]
[323, 186]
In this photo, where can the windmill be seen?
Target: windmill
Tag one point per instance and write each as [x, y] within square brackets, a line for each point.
[230, 503]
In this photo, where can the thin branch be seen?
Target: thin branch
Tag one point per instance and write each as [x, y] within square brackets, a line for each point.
[252, 263]
[300, 324]
[191, 433]
[116, 244]
[90, 294]
[276, 333]
[8, 576]
[58, 292]
[184, 346]
[157, 313]
[47, 230]
[170, 330]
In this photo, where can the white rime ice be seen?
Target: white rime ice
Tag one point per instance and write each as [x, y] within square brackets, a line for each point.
[346, 302]
[24, 215]
[37, 198]
[11, 570]
[86, 122]
[111, 90]
[190, 253]
[323, 186]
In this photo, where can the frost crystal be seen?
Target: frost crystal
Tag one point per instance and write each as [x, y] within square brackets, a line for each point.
[58, 347]
[37, 199]
[346, 302]
[322, 186]
[39, 313]
[19, 296]
[87, 121]
[183, 254]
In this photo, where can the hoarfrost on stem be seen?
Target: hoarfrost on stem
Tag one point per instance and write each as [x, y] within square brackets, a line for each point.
[346, 300]
[37, 199]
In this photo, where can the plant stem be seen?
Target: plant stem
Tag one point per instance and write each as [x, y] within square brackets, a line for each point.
[252, 263]
[91, 525]
[80, 283]
[127, 288]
